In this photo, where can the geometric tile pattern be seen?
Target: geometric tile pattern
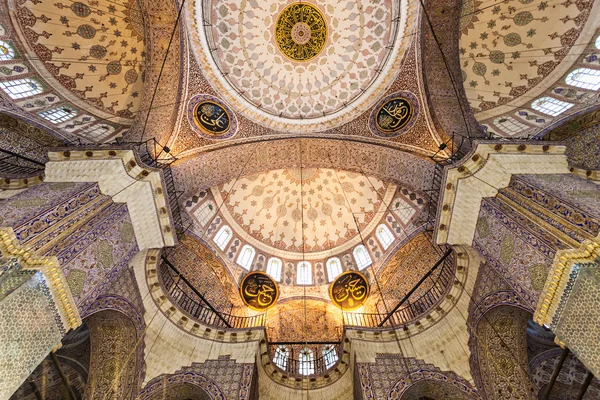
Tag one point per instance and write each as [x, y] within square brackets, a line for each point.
[28, 332]
[577, 320]
[395, 377]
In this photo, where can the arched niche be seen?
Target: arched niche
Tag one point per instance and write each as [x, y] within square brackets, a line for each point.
[426, 388]
[182, 391]
[500, 346]
[113, 361]
[181, 382]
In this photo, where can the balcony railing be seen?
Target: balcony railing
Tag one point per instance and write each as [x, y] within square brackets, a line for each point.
[305, 359]
[411, 306]
[189, 300]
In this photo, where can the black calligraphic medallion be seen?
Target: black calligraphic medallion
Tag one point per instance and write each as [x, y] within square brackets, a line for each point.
[211, 118]
[259, 291]
[349, 290]
[394, 114]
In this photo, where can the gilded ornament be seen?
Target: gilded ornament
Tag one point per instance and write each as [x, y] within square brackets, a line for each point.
[301, 32]
[259, 291]
[394, 114]
[349, 291]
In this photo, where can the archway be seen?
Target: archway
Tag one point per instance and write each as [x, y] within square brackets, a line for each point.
[501, 351]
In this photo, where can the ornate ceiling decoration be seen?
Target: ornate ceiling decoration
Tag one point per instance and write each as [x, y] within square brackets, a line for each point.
[301, 32]
[513, 51]
[97, 53]
[281, 211]
[299, 67]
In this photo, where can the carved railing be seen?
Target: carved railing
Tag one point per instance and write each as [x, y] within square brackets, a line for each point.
[412, 306]
[289, 358]
[183, 294]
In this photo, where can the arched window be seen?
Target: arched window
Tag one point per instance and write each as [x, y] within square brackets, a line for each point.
[551, 106]
[330, 356]
[274, 268]
[205, 212]
[403, 210]
[307, 362]
[21, 88]
[6, 51]
[384, 235]
[281, 357]
[304, 276]
[58, 115]
[246, 256]
[585, 78]
[362, 257]
[223, 236]
[98, 132]
[597, 42]
[334, 268]
[510, 125]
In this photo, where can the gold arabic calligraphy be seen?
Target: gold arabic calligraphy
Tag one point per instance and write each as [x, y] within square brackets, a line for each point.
[212, 118]
[394, 114]
[259, 291]
[350, 290]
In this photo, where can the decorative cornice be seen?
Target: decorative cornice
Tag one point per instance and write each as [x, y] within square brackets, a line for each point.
[488, 169]
[50, 268]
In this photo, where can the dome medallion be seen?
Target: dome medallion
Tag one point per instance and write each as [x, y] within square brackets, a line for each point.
[300, 67]
[301, 32]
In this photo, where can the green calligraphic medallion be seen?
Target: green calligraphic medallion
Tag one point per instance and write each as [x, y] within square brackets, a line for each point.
[211, 118]
[301, 32]
[394, 114]
[349, 290]
[259, 291]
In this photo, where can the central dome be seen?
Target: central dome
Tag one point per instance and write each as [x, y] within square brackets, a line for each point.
[300, 67]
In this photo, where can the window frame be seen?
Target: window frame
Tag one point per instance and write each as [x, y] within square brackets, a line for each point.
[508, 128]
[220, 232]
[10, 51]
[306, 362]
[6, 86]
[246, 263]
[281, 357]
[582, 84]
[552, 111]
[364, 263]
[211, 213]
[330, 275]
[387, 231]
[304, 266]
[58, 115]
[330, 356]
[276, 276]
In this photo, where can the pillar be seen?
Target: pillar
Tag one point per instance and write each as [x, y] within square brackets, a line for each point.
[67, 239]
[538, 226]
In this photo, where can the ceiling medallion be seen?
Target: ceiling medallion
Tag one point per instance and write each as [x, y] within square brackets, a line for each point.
[394, 115]
[301, 32]
[349, 290]
[259, 291]
[211, 118]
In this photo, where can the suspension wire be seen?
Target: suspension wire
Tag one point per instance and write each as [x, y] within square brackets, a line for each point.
[303, 365]
[162, 67]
